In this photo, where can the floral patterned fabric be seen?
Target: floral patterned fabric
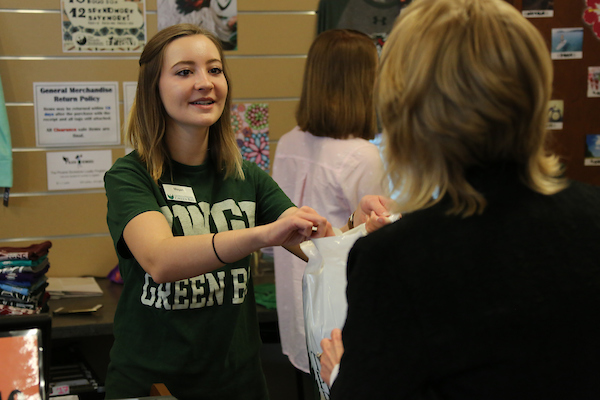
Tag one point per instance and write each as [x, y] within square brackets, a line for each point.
[250, 123]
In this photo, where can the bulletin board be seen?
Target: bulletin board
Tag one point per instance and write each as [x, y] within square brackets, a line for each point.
[580, 112]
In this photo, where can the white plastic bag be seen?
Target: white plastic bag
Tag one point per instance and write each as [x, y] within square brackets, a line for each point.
[324, 292]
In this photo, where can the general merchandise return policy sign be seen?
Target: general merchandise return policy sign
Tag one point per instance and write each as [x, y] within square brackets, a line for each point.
[76, 114]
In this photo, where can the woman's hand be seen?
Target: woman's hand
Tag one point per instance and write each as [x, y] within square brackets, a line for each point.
[295, 225]
[332, 354]
[373, 211]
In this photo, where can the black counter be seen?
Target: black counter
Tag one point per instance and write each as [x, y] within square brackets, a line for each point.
[100, 323]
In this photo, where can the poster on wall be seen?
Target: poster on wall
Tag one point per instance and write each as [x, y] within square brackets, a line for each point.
[250, 123]
[555, 114]
[216, 16]
[77, 169]
[103, 25]
[592, 150]
[374, 18]
[538, 8]
[76, 113]
[567, 43]
[593, 82]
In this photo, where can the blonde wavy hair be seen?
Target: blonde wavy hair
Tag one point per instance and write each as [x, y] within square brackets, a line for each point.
[147, 118]
[464, 83]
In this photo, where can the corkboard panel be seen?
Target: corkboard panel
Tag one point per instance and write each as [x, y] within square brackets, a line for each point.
[77, 256]
[29, 169]
[39, 216]
[259, 34]
[570, 85]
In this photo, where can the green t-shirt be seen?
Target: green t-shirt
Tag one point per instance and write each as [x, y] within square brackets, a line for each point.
[198, 336]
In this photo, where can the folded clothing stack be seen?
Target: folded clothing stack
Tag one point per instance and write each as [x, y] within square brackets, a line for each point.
[23, 279]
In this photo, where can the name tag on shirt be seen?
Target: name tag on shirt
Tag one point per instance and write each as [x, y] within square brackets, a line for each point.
[179, 193]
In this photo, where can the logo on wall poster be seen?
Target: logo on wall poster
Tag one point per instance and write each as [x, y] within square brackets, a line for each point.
[103, 25]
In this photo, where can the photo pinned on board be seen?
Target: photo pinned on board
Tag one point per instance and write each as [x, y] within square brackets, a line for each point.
[555, 114]
[567, 43]
[592, 150]
[593, 82]
[538, 8]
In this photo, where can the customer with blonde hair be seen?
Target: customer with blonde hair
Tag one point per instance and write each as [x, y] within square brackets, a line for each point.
[490, 290]
[327, 161]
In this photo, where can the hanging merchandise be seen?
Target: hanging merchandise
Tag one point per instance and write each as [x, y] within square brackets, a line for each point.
[372, 17]
[6, 168]
[216, 16]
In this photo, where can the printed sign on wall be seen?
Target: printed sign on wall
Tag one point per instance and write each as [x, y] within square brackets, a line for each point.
[103, 25]
[77, 169]
[76, 113]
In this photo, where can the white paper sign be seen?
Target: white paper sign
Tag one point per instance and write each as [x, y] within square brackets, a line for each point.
[76, 113]
[129, 89]
[77, 169]
[103, 25]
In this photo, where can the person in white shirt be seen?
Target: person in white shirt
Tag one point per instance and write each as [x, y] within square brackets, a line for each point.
[327, 161]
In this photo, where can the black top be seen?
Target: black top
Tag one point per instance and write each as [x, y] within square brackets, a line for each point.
[504, 305]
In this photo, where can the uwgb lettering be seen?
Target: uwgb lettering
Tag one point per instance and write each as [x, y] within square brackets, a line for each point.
[226, 215]
[202, 291]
